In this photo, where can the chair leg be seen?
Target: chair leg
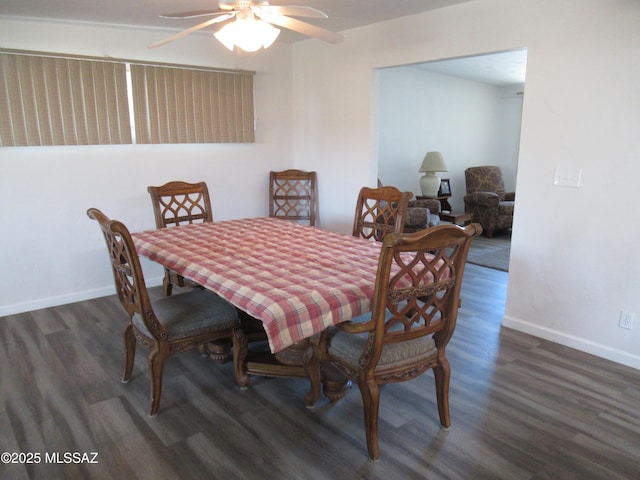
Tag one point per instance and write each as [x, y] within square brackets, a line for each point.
[129, 352]
[442, 374]
[240, 352]
[157, 359]
[167, 286]
[371, 402]
[311, 363]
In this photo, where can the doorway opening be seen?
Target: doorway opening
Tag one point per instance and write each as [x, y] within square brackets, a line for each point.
[469, 109]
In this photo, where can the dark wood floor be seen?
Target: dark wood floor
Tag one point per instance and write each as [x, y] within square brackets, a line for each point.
[522, 408]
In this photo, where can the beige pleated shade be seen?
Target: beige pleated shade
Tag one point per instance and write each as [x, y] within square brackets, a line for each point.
[433, 162]
[177, 105]
[62, 101]
[48, 99]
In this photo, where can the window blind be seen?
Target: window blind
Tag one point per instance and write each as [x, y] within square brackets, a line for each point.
[178, 105]
[62, 101]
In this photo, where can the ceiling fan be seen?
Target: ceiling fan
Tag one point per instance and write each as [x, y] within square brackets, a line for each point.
[253, 25]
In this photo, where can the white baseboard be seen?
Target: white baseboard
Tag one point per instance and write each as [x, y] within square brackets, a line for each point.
[578, 343]
[41, 303]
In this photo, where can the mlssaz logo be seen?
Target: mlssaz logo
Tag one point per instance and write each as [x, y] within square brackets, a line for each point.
[71, 457]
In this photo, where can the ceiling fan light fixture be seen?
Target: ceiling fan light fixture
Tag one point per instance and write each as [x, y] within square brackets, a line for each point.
[248, 33]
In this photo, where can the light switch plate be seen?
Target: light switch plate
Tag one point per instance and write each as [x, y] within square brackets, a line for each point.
[567, 177]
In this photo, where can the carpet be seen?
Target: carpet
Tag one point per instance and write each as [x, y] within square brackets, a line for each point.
[491, 252]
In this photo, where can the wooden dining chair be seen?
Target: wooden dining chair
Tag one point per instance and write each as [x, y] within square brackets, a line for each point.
[380, 211]
[414, 310]
[293, 195]
[168, 326]
[179, 203]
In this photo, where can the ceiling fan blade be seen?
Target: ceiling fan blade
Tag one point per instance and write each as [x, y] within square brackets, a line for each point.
[293, 11]
[302, 27]
[195, 13]
[195, 28]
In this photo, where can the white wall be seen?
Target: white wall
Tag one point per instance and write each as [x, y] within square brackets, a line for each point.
[470, 123]
[50, 252]
[574, 260]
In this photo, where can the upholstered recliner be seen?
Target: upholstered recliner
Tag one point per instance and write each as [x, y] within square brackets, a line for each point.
[421, 214]
[486, 199]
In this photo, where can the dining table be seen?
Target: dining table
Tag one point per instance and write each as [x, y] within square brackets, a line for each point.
[296, 279]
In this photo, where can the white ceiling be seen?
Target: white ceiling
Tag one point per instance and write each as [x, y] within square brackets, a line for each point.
[343, 15]
[503, 68]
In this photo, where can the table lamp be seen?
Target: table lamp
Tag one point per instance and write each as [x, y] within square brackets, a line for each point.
[430, 182]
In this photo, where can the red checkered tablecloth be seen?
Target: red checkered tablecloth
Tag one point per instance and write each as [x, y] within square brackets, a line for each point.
[297, 279]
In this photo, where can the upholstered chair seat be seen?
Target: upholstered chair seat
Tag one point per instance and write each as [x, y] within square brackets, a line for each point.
[347, 348]
[195, 312]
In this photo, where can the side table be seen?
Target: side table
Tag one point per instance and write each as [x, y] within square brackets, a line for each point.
[458, 218]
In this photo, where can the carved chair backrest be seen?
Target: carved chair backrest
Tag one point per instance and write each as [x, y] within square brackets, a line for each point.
[177, 203]
[417, 290]
[380, 211]
[127, 272]
[292, 195]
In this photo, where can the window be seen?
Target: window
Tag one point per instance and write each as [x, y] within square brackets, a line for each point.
[50, 100]
[177, 105]
[62, 101]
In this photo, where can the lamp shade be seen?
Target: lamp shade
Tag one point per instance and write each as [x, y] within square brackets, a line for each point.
[433, 162]
[430, 182]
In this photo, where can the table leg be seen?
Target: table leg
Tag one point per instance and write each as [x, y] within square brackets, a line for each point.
[219, 351]
[298, 360]
[335, 384]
